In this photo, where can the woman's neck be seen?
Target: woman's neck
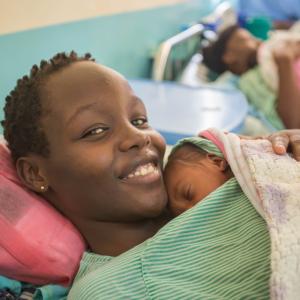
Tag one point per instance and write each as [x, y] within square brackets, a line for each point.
[112, 238]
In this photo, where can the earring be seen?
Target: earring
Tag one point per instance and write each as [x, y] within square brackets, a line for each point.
[43, 188]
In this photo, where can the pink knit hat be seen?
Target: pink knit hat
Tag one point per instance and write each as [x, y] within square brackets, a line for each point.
[210, 136]
[37, 244]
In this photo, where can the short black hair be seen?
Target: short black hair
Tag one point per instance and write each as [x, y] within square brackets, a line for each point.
[213, 53]
[23, 109]
[194, 153]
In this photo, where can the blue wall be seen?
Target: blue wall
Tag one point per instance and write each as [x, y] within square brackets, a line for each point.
[122, 41]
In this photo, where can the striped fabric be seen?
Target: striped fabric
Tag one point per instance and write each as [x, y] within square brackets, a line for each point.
[219, 249]
[260, 96]
[200, 142]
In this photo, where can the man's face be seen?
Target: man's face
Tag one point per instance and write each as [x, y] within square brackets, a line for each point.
[241, 50]
[105, 159]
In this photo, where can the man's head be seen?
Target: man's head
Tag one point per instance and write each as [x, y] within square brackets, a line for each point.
[192, 173]
[235, 50]
[93, 154]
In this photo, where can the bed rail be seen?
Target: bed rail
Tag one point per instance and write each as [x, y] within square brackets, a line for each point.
[164, 50]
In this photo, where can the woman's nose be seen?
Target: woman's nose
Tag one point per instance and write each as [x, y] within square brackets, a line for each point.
[133, 137]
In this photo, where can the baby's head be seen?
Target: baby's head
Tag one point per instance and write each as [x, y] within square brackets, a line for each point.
[235, 50]
[195, 168]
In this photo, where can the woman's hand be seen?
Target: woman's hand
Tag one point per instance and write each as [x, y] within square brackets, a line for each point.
[286, 52]
[284, 140]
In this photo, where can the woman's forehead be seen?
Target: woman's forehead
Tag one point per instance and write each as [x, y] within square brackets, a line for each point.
[82, 75]
[82, 83]
[238, 38]
[68, 105]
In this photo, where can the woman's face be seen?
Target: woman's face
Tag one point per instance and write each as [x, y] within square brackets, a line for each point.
[241, 50]
[105, 159]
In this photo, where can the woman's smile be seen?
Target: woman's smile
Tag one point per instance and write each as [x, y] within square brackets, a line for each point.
[146, 173]
[144, 170]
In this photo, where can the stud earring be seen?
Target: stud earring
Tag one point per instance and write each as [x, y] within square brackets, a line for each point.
[43, 188]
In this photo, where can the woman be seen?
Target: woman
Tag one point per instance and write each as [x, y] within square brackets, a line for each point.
[80, 137]
[268, 71]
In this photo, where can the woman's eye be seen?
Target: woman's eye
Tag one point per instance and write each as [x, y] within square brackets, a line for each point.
[140, 122]
[94, 131]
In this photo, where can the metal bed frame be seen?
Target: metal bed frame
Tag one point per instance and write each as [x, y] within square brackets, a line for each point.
[163, 55]
[164, 50]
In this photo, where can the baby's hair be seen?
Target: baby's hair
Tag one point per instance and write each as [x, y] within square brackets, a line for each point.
[23, 108]
[213, 53]
[194, 153]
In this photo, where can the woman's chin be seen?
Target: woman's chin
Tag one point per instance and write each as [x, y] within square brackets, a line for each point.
[156, 205]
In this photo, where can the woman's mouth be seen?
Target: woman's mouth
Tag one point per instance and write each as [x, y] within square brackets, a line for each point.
[144, 170]
[144, 173]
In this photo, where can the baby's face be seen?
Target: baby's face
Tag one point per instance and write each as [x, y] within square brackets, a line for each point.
[190, 176]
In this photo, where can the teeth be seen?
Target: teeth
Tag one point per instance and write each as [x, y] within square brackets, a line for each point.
[143, 170]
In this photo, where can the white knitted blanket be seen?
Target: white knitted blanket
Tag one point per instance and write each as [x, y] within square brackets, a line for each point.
[272, 183]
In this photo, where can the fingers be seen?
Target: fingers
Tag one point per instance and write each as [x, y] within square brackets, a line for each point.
[295, 146]
[280, 142]
[250, 137]
[283, 139]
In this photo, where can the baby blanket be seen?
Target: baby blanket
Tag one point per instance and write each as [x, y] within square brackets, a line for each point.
[272, 183]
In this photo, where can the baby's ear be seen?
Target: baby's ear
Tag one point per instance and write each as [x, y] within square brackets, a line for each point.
[220, 162]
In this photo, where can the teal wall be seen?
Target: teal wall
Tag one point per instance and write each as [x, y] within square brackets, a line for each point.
[122, 41]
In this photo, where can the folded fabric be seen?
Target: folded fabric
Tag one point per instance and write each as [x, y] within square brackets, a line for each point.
[13, 289]
[260, 96]
[272, 184]
[7, 295]
[37, 244]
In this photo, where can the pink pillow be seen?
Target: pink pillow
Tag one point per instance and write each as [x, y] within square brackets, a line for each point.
[37, 244]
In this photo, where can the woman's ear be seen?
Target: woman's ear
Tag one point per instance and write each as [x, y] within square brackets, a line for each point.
[220, 162]
[30, 173]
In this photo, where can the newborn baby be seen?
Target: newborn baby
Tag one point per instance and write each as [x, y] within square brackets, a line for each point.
[195, 168]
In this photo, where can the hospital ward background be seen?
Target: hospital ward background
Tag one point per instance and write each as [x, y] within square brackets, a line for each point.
[173, 52]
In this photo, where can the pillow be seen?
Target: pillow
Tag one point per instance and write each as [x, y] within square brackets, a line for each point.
[37, 244]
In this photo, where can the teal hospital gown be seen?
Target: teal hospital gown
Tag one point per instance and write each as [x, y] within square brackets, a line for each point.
[219, 249]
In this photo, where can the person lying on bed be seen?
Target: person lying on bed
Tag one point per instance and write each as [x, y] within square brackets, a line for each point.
[80, 137]
[269, 71]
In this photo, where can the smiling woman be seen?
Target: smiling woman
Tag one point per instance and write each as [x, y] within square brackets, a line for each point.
[80, 137]
[104, 142]
[108, 152]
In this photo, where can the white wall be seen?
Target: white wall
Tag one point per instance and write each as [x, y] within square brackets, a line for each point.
[17, 15]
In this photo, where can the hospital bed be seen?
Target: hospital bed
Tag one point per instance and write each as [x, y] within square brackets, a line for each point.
[179, 59]
[178, 111]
